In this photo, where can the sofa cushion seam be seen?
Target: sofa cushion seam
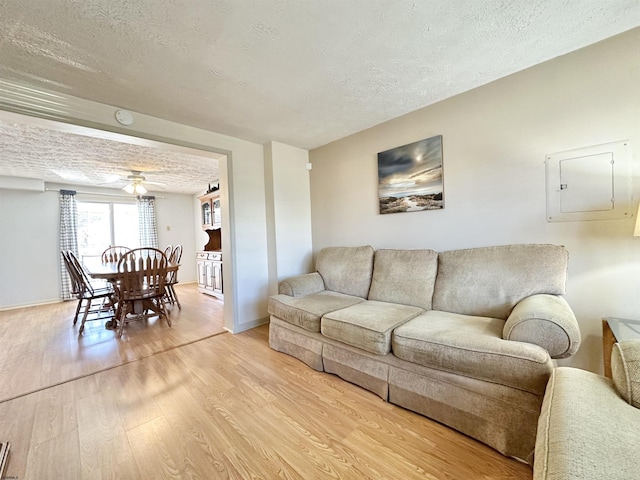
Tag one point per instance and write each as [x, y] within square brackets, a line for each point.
[390, 329]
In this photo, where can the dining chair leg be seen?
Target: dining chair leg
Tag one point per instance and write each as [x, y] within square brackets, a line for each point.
[117, 309]
[174, 296]
[163, 311]
[168, 295]
[75, 318]
[86, 314]
[121, 320]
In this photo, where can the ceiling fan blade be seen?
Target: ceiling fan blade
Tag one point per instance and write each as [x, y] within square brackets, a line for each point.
[115, 178]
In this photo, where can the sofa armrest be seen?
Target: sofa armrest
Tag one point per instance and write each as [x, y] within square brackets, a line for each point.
[301, 285]
[547, 321]
[585, 430]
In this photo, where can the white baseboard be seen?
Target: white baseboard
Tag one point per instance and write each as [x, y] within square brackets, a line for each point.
[249, 325]
[26, 305]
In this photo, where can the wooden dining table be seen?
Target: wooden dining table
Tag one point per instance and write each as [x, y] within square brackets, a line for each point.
[109, 271]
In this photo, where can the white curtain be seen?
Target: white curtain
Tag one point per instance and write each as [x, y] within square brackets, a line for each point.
[147, 222]
[68, 236]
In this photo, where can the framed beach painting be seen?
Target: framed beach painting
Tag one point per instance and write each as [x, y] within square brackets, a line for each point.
[410, 177]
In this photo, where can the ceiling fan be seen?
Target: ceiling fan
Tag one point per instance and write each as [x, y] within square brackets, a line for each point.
[137, 182]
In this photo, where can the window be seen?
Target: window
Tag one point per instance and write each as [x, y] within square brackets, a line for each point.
[104, 224]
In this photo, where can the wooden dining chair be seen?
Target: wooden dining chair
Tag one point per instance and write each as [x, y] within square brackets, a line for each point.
[142, 274]
[113, 254]
[76, 288]
[167, 251]
[172, 277]
[87, 293]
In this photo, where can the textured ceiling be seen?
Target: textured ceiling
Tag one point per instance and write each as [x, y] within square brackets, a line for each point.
[61, 157]
[302, 72]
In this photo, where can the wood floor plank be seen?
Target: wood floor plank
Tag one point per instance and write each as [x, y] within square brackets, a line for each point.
[135, 402]
[200, 437]
[104, 446]
[107, 458]
[55, 414]
[58, 457]
[17, 418]
[154, 451]
[305, 445]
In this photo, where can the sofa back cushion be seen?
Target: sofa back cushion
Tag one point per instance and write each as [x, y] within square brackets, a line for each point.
[346, 269]
[404, 276]
[490, 281]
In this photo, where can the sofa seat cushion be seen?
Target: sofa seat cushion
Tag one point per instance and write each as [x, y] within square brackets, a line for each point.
[367, 325]
[472, 346]
[306, 311]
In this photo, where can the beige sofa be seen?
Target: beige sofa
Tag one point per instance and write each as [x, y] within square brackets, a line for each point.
[465, 337]
[589, 428]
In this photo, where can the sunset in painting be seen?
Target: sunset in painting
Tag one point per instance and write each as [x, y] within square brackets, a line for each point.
[410, 177]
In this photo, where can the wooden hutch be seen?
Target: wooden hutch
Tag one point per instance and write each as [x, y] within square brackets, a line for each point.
[209, 259]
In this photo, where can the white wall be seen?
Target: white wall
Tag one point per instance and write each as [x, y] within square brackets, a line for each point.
[29, 248]
[29, 241]
[495, 140]
[176, 212]
[288, 211]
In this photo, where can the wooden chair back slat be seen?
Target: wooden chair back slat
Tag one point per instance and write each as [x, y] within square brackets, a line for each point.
[82, 278]
[176, 254]
[174, 259]
[76, 283]
[113, 254]
[142, 274]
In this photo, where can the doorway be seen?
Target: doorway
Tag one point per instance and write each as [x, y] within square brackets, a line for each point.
[207, 154]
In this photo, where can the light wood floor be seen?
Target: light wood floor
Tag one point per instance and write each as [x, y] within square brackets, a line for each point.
[40, 347]
[230, 407]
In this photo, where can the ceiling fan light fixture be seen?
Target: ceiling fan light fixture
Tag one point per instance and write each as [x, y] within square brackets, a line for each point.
[135, 189]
